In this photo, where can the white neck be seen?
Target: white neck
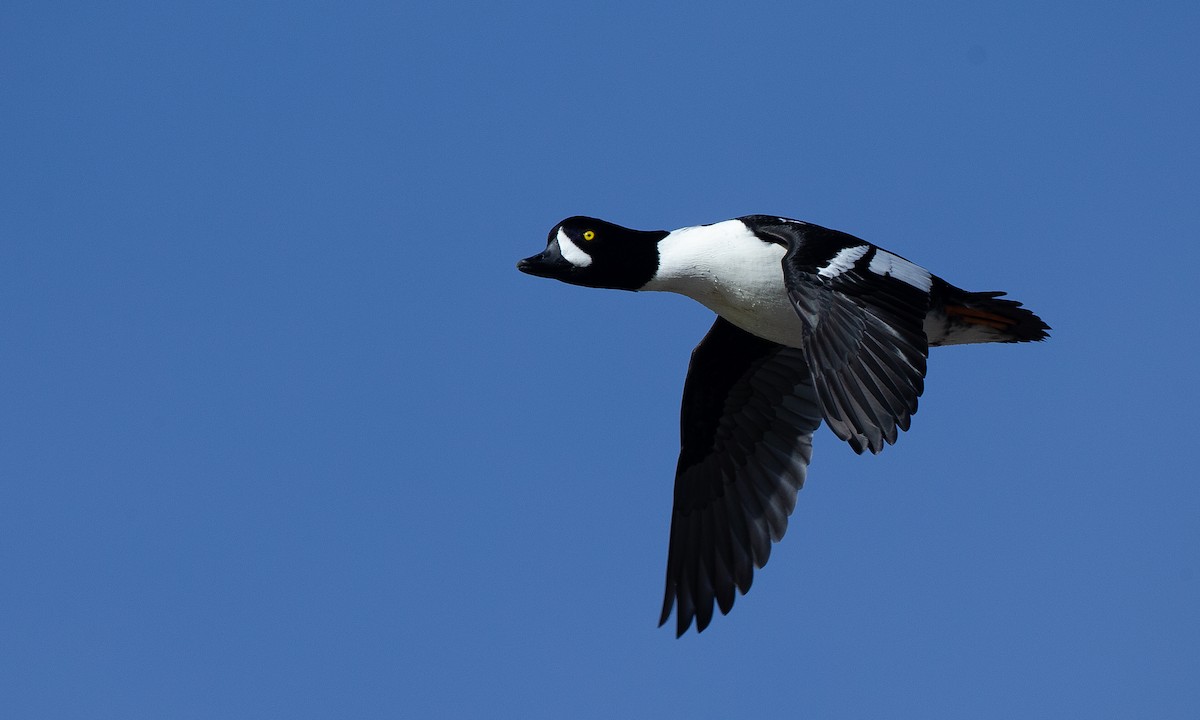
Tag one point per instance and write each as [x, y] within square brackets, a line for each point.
[732, 272]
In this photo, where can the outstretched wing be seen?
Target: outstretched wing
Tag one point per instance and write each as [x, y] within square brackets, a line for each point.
[749, 412]
[863, 310]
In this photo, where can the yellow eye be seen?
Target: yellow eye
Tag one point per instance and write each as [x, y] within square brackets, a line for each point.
[589, 235]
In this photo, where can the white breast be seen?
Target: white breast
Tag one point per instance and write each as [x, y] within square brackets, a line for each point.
[729, 270]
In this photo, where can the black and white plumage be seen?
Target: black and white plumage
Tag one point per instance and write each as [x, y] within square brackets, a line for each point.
[813, 324]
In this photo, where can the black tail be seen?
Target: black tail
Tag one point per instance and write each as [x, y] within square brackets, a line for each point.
[984, 317]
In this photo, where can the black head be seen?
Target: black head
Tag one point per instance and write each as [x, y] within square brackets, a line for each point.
[586, 251]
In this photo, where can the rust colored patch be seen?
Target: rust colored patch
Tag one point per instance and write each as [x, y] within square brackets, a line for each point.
[980, 317]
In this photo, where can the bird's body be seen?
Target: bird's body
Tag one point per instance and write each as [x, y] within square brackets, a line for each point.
[728, 270]
[813, 324]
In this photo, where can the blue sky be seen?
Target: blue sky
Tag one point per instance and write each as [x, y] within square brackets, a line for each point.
[283, 433]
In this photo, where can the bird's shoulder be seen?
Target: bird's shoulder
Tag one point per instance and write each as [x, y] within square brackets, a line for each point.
[809, 246]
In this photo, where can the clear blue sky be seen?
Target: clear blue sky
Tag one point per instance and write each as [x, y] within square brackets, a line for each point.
[283, 433]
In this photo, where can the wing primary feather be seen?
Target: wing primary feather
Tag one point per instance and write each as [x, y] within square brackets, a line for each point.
[749, 410]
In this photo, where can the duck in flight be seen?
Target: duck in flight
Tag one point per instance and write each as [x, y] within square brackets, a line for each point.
[812, 325]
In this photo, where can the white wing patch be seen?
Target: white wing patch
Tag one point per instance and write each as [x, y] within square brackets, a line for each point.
[844, 261]
[887, 264]
[571, 251]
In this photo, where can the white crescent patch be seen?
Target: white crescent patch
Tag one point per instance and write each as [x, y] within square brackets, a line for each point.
[571, 251]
